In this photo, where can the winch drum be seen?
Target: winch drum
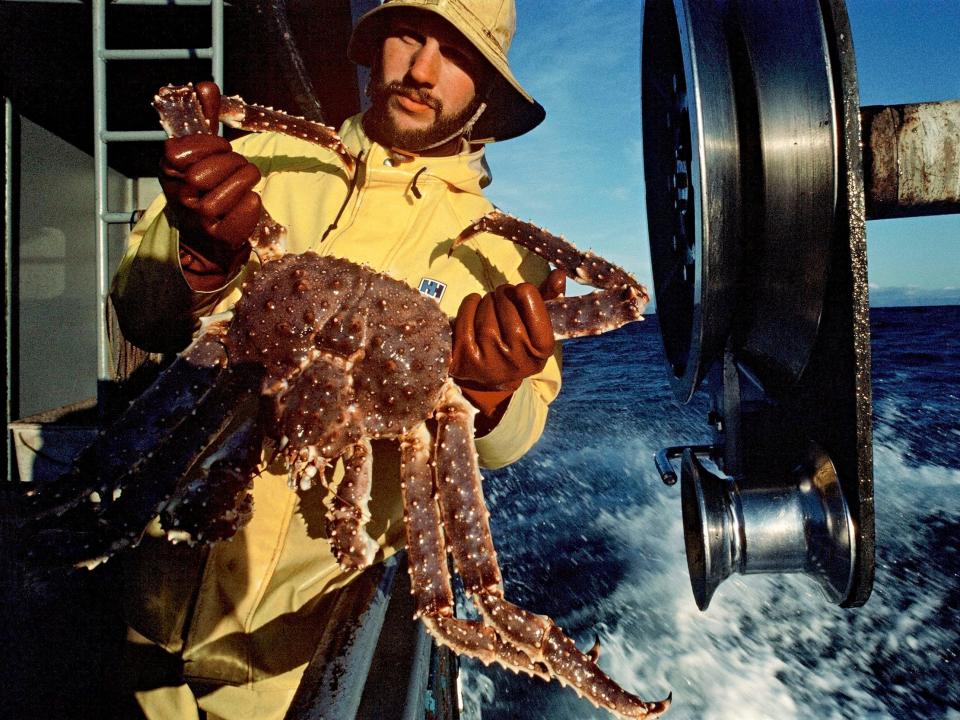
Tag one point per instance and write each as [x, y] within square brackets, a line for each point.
[742, 203]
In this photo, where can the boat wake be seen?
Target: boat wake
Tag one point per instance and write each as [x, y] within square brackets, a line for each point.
[588, 534]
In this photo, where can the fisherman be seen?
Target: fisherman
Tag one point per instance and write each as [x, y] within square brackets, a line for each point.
[229, 632]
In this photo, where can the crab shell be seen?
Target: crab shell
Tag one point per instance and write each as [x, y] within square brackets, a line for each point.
[348, 353]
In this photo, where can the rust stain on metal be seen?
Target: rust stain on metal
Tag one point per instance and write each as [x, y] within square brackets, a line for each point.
[912, 155]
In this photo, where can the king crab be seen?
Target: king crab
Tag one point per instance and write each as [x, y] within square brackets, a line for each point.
[320, 356]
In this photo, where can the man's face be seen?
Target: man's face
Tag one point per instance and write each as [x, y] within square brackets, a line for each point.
[424, 88]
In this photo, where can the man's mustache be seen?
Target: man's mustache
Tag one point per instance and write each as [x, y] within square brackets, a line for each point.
[420, 95]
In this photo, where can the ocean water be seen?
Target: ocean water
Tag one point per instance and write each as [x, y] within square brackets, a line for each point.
[588, 534]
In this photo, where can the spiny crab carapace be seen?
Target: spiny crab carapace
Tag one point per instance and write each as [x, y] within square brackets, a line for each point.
[319, 357]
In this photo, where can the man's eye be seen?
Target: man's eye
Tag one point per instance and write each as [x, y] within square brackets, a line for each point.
[457, 56]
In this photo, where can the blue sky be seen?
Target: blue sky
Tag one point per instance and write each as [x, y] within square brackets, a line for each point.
[580, 173]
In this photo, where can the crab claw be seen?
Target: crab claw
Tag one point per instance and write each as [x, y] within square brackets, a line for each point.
[577, 670]
[620, 300]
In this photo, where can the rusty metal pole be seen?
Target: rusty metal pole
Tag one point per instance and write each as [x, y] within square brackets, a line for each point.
[911, 159]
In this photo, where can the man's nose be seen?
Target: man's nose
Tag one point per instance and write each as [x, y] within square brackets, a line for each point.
[425, 64]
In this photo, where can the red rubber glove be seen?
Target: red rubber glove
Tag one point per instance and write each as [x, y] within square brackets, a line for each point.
[500, 339]
[210, 200]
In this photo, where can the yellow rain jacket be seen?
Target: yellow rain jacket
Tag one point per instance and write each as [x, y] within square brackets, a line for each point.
[250, 624]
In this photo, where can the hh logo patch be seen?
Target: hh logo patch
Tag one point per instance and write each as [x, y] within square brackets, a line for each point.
[432, 288]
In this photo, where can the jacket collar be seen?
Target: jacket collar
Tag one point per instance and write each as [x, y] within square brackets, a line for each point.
[467, 171]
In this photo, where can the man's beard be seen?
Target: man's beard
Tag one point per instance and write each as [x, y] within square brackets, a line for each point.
[380, 126]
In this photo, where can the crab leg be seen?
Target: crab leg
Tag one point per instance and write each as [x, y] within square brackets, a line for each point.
[620, 300]
[466, 522]
[427, 565]
[236, 113]
[181, 114]
[215, 502]
[429, 575]
[115, 454]
[546, 643]
[148, 421]
[130, 472]
[596, 313]
[349, 510]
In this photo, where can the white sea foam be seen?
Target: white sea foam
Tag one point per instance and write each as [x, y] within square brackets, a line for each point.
[699, 656]
[768, 647]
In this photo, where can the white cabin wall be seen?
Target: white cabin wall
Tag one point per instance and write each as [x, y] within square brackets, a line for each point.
[56, 269]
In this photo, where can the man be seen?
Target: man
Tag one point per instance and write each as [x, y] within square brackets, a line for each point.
[232, 635]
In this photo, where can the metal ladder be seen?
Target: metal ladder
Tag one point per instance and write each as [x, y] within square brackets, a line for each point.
[103, 136]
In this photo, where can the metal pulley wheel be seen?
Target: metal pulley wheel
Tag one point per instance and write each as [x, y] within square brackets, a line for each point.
[741, 204]
[799, 523]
